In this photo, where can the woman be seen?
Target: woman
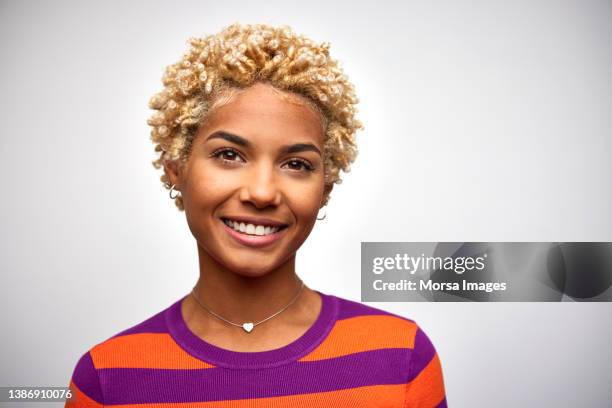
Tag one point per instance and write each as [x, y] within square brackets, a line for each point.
[253, 127]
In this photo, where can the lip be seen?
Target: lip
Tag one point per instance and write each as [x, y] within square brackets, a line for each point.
[255, 241]
[256, 220]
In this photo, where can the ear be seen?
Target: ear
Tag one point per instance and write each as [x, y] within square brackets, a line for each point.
[326, 191]
[174, 172]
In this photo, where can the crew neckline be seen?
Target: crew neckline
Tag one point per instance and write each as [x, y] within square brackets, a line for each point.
[221, 357]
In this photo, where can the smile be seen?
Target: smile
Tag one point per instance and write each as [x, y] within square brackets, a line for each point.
[253, 235]
[251, 229]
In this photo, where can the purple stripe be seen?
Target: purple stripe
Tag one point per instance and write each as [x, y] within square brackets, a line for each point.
[86, 378]
[442, 404]
[139, 386]
[424, 351]
[351, 308]
[155, 324]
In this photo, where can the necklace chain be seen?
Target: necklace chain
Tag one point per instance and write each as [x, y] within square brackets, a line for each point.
[248, 326]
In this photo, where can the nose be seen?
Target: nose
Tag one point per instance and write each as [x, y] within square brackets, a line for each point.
[260, 186]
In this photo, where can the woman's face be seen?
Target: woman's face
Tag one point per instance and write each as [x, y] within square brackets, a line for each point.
[256, 160]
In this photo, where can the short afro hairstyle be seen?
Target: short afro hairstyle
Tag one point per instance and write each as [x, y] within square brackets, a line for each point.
[236, 58]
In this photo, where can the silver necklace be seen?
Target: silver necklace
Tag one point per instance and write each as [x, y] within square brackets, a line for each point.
[247, 326]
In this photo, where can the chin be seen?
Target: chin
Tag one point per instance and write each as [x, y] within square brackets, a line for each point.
[251, 270]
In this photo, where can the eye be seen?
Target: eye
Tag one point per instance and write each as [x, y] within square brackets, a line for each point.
[300, 165]
[227, 155]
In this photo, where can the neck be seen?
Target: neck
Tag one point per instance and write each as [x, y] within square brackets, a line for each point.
[241, 298]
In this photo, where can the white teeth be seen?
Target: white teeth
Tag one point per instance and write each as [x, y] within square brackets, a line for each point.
[251, 229]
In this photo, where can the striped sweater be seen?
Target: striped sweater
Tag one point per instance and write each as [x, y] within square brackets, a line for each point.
[353, 355]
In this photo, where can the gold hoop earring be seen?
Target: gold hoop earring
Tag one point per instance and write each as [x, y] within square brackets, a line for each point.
[171, 190]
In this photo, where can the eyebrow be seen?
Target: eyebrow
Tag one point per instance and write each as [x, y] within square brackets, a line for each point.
[240, 141]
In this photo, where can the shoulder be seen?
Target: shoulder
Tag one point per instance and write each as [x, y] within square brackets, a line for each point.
[383, 326]
[349, 308]
[142, 345]
[351, 312]
[117, 350]
[96, 357]
[359, 328]
[363, 328]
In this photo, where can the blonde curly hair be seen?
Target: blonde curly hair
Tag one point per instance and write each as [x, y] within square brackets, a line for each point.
[218, 66]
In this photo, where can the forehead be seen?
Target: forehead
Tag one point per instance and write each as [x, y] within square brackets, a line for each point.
[264, 114]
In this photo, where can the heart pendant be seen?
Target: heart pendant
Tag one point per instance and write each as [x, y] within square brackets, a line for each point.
[247, 327]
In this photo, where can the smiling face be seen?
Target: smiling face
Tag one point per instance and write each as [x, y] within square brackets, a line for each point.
[257, 159]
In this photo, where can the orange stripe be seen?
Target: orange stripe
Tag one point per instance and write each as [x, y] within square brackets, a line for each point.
[370, 396]
[365, 333]
[144, 350]
[427, 389]
[80, 399]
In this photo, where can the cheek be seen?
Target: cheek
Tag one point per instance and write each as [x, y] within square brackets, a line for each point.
[208, 185]
[305, 199]
[206, 189]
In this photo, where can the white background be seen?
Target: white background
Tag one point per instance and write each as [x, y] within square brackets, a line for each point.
[485, 121]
